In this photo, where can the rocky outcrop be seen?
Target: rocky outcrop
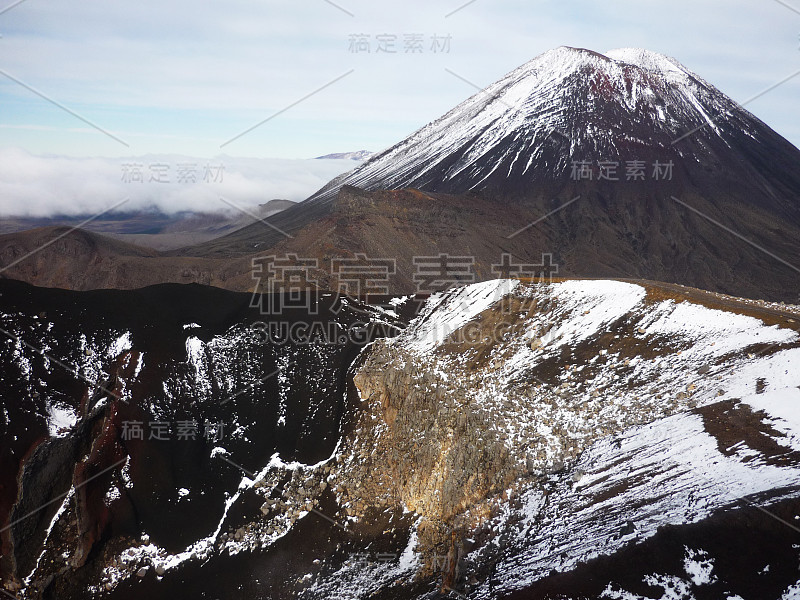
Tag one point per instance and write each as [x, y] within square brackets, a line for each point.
[464, 412]
[421, 445]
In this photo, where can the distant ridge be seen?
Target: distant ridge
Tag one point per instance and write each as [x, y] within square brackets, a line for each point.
[357, 155]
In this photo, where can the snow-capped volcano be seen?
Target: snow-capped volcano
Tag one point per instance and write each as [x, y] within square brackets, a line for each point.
[567, 105]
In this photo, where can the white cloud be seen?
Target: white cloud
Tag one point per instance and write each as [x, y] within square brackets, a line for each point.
[39, 186]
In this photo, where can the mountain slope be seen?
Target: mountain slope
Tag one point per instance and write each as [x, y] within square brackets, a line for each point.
[515, 440]
[63, 257]
[550, 427]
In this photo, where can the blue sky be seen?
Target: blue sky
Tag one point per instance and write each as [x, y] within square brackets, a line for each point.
[184, 77]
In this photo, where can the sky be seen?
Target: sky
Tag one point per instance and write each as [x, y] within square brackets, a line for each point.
[295, 80]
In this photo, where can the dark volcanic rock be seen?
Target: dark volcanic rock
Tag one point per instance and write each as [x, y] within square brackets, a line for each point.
[182, 356]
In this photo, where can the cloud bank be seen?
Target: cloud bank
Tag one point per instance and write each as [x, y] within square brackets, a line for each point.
[44, 186]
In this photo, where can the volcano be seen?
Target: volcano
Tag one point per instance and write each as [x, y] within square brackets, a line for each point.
[575, 105]
[618, 165]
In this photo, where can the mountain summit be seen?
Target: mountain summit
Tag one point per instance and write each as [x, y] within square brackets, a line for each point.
[572, 104]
